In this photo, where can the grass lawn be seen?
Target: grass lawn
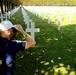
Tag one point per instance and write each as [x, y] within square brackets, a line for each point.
[54, 53]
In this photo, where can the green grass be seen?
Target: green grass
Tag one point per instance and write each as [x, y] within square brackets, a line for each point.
[54, 53]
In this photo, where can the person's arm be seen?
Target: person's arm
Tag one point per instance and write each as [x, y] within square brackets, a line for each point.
[29, 41]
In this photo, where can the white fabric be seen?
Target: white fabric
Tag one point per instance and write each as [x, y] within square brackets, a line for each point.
[5, 25]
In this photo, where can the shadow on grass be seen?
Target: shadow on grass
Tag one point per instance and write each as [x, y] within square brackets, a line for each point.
[54, 53]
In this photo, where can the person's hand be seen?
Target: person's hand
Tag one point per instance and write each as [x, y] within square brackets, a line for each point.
[19, 28]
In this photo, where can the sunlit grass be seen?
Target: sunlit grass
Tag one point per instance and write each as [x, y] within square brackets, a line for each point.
[54, 53]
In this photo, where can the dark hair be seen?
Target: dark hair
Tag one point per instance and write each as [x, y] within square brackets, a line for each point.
[15, 33]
